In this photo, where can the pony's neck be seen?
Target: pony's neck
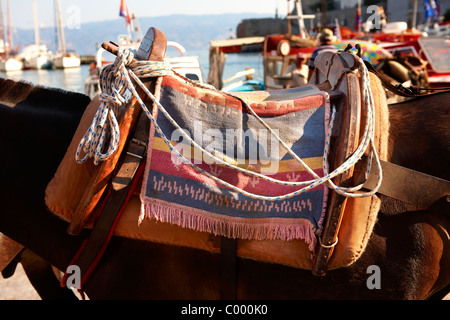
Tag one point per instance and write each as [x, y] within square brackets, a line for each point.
[36, 127]
[14, 94]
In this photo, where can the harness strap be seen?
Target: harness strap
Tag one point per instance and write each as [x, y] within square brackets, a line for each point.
[410, 186]
[134, 156]
[123, 186]
[228, 268]
[411, 92]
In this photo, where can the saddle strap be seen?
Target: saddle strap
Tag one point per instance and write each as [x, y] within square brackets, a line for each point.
[228, 268]
[123, 186]
[411, 92]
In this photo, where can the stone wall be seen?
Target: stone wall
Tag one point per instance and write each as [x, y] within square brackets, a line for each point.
[396, 10]
[266, 26]
[261, 27]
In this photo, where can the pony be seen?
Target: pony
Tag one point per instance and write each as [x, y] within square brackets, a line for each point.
[409, 246]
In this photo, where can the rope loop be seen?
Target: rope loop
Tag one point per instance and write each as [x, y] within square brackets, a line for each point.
[125, 56]
[115, 82]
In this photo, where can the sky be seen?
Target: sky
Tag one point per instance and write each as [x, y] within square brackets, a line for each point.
[81, 11]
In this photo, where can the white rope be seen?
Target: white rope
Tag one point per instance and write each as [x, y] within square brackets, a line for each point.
[120, 75]
[114, 83]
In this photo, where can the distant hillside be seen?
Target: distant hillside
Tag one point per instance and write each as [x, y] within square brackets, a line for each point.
[192, 31]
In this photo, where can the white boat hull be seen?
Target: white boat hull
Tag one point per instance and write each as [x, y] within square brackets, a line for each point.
[92, 86]
[67, 62]
[41, 62]
[10, 65]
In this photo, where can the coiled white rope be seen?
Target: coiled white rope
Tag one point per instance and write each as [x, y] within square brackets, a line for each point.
[118, 80]
[114, 83]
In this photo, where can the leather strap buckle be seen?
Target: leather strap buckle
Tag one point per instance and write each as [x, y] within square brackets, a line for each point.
[142, 149]
[139, 142]
[135, 153]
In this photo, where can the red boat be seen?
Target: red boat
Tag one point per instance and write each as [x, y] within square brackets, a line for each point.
[279, 51]
[434, 50]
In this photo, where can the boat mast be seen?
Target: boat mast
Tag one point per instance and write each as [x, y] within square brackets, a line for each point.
[137, 28]
[10, 38]
[300, 18]
[360, 13]
[36, 24]
[62, 40]
[414, 21]
[2, 28]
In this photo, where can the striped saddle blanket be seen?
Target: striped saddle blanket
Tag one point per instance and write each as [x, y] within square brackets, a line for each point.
[227, 167]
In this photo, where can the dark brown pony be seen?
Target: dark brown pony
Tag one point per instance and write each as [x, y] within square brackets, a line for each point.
[409, 246]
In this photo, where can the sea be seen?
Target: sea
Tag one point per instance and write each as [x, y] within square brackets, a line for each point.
[73, 79]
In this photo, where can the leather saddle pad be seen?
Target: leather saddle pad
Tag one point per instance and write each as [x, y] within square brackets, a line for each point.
[66, 189]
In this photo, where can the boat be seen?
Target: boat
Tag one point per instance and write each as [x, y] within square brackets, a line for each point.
[187, 66]
[8, 63]
[430, 44]
[242, 81]
[130, 40]
[433, 50]
[279, 52]
[103, 58]
[63, 59]
[400, 41]
[37, 55]
[218, 50]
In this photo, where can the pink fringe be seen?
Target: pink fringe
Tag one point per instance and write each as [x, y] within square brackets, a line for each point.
[225, 227]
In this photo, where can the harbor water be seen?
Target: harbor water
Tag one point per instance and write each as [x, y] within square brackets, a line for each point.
[73, 79]
[69, 79]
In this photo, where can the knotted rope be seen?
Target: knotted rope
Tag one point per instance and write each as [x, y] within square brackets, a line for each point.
[116, 80]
